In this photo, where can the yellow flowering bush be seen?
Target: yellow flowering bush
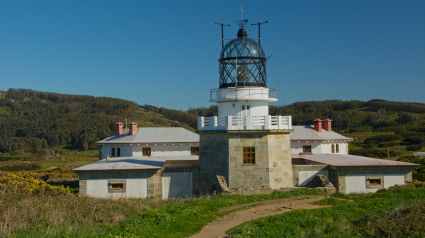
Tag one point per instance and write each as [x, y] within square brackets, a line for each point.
[12, 183]
[55, 173]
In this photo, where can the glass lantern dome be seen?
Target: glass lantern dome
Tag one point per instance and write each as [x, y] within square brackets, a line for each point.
[242, 63]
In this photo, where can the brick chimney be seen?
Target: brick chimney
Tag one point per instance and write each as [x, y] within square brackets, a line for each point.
[133, 128]
[327, 124]
[119, 128]
[318, 125]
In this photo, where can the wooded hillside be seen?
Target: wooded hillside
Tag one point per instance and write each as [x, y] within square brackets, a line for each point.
[34, 122]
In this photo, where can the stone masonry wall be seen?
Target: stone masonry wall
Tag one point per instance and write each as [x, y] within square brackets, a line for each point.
[221, 153]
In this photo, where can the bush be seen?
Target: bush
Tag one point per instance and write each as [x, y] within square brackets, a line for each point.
[373, 153]
[418, 173]
[381, 138]
[413, 140]
[19, 167]
[413, 147]
[406, 117]
[11, 183]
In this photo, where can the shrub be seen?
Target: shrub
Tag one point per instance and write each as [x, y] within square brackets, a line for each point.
[19, 167]
[413, 140]
[406, 117]
[413, 147]
[418, 173]
[374, 153]
[15, 184]
[401, 222]
[381, 138]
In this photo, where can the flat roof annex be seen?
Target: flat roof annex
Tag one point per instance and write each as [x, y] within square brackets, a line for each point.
[154, 134]
[343, 160]
[134, 163]
[308, 133]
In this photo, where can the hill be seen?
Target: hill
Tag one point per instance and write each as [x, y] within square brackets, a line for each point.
[399, 127]
[36, 122]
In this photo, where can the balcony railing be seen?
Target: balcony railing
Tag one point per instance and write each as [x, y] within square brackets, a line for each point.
[245, 123]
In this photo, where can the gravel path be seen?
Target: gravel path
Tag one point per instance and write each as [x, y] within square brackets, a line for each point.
[219, 227]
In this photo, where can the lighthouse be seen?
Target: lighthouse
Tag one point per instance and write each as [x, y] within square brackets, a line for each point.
[244, 144]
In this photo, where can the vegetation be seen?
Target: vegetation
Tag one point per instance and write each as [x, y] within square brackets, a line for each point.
[395, 212]
[18, 167]
[51, 215]
[36, 122]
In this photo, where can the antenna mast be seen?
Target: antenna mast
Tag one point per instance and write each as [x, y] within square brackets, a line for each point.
[222, 39]
[259, 24]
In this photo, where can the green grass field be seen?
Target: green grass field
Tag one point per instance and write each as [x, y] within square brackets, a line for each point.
[362, 217]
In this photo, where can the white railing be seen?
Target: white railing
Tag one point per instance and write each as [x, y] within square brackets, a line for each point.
[245, 123]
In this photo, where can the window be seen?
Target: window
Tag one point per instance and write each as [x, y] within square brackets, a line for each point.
[248, 155]
[113, 152]
[194, 150]
[307, 149]
[118, 152]
[243, 107]
[146, 151]
[247, 107]
[337, 148]
[375, 181]
[333, 148]
[117, 186]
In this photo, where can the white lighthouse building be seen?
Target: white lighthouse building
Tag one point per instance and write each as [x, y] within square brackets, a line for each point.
[244, 144]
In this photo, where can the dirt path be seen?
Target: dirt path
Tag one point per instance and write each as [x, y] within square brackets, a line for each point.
[219, 227]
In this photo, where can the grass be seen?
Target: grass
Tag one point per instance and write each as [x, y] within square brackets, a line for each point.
[345, 219]
[37, 216]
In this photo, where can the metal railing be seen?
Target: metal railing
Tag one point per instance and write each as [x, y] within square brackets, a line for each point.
[245, 123]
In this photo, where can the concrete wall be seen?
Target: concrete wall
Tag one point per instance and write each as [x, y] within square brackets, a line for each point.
[221, 153]
[355, 179]
[165, 149]
[167, 182]
[134, 150]
[302, 174]
[177, 185]
[256, 108]
[139, 183]
[318, 147]
[135, 188]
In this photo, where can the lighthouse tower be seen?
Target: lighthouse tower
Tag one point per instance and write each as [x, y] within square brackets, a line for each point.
[246, 145]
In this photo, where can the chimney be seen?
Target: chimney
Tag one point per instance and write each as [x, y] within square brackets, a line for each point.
[133, 128]
[318, 125]
[119, 128]
[327, 124]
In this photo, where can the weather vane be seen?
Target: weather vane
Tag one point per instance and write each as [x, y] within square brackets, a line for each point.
[242, 22]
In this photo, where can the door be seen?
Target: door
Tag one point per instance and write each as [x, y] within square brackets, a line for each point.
[245, 110]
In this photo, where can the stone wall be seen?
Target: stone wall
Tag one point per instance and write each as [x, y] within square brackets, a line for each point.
[221, 153]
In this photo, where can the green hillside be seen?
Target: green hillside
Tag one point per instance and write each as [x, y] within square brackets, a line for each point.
[37, 122]
[374, 125]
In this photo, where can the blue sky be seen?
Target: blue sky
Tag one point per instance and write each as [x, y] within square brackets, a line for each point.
[146, 51]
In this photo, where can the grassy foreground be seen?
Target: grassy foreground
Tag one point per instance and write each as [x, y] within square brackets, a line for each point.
[398, 212]
[37, 215]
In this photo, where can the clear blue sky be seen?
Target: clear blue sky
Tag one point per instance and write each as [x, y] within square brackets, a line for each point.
[145, 51]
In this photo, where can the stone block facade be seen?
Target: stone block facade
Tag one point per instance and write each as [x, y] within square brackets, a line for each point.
[221, 153]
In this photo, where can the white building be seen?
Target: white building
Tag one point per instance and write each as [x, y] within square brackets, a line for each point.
[143, 162]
